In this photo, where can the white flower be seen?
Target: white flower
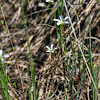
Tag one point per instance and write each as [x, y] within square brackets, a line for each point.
[62, 20]
[51, 49]
[50, 1]
[2, 57]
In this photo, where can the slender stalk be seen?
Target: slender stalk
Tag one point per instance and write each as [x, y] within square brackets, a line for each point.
[56, 28]
[3, 80]
[58, 8]
[52, 73]
[30, 53]
[91, 63]
[61, 41]
[65, 93]
[62, 6]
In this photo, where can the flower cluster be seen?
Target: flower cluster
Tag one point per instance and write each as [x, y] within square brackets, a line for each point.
[2, 56]
[61, 20]
[50, 49]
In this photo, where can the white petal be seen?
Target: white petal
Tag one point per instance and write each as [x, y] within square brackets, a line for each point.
[51, 46]
[6, 56]
[56, 20]
[52, 1]
[48, 51]
[52, 51]
[47, 47]
[47, 0]
[66, 22]
[1, 52]
[55, 48]
[59, 23]
[66, 18]
[2, 59]
[61, 17]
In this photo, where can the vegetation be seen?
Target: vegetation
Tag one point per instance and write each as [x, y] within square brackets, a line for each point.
[50, 50]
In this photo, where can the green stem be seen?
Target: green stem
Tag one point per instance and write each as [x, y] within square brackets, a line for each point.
[30, 53]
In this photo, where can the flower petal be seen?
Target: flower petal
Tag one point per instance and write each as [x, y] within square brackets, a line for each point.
[51, 46]
[61, 17]
[2, 59]
[66, 18]
[55, 48]
[52, 1]
[59, 23]
[1, 52]
[48, 48]
[66, 22]
[48, 51]
[47, 0]
[6, 56]
[52, 51]
[56, 20]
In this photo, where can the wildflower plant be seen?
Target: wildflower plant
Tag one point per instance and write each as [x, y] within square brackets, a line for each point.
[2, 56]
[51, 49]
[61, 20]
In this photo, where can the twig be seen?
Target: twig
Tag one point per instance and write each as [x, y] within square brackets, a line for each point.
[83, 94]
[39, 11]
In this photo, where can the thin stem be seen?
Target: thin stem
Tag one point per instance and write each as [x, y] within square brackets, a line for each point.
[30, 53]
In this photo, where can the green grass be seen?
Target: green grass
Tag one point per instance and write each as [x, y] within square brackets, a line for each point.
[30, 53]
[4, 81]
[72, 64]
[95, 96]
[80, 60]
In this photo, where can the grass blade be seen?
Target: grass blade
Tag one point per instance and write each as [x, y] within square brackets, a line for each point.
[91, 63]
[31, 59]
[3, 80]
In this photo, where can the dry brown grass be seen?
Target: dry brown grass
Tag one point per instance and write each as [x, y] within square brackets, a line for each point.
[41, 30]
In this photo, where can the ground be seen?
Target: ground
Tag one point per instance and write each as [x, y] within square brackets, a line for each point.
[42, 32]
